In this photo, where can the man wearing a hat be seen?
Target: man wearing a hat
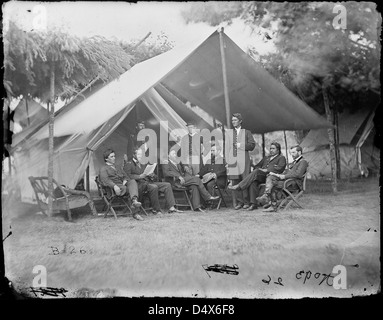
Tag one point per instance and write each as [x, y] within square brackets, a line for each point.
[238, 145]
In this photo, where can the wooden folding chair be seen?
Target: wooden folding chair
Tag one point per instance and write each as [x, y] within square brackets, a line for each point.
[112, 200]
[291, 196]
[178, 189]
[221, 191]
[62, 198]
[185, 192]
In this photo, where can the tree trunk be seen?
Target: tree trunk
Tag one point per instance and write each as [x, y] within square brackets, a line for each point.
[50, 140]
[142, 40]
[331, 140]
[336, 136]
[87, 180]
[26, 109]
[287, 153]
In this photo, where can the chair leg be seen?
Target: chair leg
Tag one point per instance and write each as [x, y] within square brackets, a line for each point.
[111, 209]
[68, 211]
[143, 209]
[219, 203]
[114, 212]
[222, 198]
[69, 214]
[108, 207]
[283, 202]
[293, 199]
[188, 199]
[127, 207]
[92, 207]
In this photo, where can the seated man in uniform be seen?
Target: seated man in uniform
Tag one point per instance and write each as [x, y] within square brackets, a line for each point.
[296, 171]
[274, 162]
[183, 175]
[214, 170]
[135, 170]
[117, 180]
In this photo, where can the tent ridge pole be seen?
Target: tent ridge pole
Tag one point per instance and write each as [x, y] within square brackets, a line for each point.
[224, 74]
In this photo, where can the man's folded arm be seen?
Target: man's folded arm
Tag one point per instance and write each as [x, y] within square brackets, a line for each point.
[279, 166]
[298, 172]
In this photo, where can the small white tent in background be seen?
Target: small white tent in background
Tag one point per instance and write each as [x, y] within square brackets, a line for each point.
[28, 112]
[358, 155]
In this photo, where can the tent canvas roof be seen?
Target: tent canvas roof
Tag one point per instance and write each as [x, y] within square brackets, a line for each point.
[265, 104]
[195, 72]
[86, 126]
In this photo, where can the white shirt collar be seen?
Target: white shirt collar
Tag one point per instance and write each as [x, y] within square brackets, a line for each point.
[110, 164]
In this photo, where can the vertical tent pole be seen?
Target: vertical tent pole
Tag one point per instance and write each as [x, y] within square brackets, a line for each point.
[87, 182]
[9, 163]
[263, 145]
[225, 89]
[224, 74]
[287, 154]
[26, 109]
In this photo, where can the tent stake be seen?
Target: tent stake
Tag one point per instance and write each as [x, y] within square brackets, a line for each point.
[224, 74]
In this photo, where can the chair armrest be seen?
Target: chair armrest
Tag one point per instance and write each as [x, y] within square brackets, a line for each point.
[289, 180]
[62, 189]
[77, 192]
[286, 181]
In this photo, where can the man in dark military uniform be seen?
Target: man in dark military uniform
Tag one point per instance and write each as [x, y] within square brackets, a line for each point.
[117, 180]
[214, 171]
[193, 142]
[182, 174]
[274, 162]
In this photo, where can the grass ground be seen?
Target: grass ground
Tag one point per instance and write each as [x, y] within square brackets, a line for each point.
[280, 255]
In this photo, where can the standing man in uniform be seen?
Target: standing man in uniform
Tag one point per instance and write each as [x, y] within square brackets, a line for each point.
[238, 146]
[193, 142]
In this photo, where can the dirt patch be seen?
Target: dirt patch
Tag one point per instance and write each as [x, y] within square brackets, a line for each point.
[280, 255]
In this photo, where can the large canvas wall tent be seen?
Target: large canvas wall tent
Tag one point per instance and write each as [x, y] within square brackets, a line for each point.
[359, 156]
[104, 119]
